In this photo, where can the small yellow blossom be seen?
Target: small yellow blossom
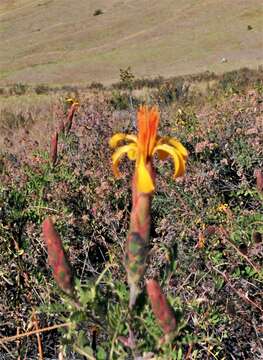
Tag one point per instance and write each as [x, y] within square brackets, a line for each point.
[222, 207]
[142, 148]
[198, 220]
[72, 101]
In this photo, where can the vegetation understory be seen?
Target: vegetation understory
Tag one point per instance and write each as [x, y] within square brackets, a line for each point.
[206, 237]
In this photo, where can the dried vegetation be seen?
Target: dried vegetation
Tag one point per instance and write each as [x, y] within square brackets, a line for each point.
[206, 238]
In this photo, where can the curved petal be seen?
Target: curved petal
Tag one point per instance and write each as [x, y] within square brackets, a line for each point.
[119, 153]
[144, 179]
[175, 143]
[179, 160]
[162, 155]
[132, 154]
[179, 146]
[131, 137]
[115, 139]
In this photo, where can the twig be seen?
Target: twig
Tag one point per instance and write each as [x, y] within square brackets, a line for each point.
[185, 282]
[225, 235]
[43, 208]
[238, 292]
[39, 343]
[84, 353]
[9, 352]
[18, 344]
[34, 332]
[189, 352]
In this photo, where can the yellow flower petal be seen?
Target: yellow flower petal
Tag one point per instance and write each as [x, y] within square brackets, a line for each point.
[144, 179]
[115, 139]
[179, 147]
[179, 160]
[119, 153]
[72, 101]
[175, 143]
[132, 154]
[69, 100]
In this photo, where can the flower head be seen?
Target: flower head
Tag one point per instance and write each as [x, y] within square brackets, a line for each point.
[72, 101]
[143, 147]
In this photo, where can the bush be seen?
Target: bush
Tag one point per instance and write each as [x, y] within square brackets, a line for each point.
[96, 85]
[10, 120]
[42, 89]
[238, 80]
[18, 89]
[97, 12]
[119, 101]
[171, 91]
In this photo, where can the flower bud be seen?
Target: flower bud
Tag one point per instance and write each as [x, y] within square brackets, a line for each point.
[57, 258]
[160, 306]
[68, 123]
[54, 149]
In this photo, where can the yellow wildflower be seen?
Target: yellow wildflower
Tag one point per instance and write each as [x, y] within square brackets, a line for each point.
[143, 146]
[72, 101]
[222, 207]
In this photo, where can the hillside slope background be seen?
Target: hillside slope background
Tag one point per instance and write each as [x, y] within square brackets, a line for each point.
[61, 42]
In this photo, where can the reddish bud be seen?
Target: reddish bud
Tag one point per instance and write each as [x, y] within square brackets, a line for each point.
[68, 123]
[160, 306]
[57, 258]
[54, 149]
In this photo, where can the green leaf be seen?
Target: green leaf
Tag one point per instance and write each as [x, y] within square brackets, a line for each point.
[101, 354]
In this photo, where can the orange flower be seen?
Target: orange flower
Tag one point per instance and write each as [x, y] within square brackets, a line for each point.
[143, 147]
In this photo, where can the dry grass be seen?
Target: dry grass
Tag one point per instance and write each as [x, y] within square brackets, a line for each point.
[60, 42]
[26, 115]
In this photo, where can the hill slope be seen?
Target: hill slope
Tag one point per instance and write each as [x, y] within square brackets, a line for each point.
[60, 42]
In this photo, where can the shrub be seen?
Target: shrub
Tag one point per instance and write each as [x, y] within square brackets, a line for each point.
[127, 78]
[119, 101]
[171, 91]
[42, 89]
[18, 89]
[238, 80]
[97, 12]
[10, 120]
[96, 85]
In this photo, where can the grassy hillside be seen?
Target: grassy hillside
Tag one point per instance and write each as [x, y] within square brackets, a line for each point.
[61, 41]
